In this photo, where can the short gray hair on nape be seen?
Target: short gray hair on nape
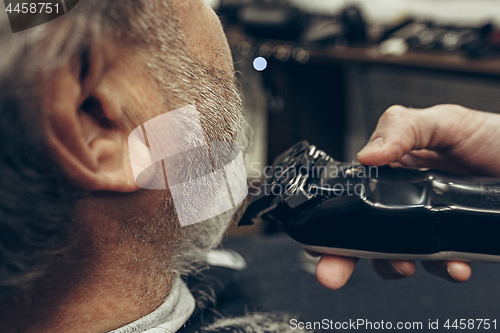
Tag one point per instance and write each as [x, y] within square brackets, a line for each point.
[35, 202]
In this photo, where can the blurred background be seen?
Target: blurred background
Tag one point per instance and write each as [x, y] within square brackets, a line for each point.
[324, 71]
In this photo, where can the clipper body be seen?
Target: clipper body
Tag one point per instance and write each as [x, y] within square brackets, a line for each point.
[355, 210]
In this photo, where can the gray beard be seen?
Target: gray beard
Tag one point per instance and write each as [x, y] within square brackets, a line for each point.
[185, 81]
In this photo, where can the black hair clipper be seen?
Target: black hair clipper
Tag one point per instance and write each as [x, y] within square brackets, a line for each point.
[378, 212]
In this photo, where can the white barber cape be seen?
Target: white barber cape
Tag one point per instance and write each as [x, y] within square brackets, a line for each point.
[168, 317]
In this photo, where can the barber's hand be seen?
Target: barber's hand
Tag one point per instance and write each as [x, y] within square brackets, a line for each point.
[445, 137]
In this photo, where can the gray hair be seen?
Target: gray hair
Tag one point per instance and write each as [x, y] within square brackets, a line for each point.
[34, 201]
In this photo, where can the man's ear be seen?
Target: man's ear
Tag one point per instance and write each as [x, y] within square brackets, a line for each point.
[85, 128]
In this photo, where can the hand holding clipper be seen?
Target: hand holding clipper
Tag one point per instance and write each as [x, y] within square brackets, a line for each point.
[379, 212]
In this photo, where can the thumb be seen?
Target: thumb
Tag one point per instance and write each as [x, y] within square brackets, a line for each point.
[401, 130]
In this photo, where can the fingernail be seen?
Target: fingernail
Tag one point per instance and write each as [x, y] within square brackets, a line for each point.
[403, 268]
[371, 146]
[449, 272]
[452, 277]
[397, 270]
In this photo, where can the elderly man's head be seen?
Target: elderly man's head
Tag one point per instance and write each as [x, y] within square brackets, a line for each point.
[79, 240]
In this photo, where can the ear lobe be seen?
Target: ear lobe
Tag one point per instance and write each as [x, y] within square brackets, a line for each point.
[91, 148]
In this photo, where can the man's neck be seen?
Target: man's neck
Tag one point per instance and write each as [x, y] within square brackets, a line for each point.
[116, 270]
[87, 292]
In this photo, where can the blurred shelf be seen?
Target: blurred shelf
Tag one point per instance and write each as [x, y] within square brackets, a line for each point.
[435, 60]
[420, 59]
